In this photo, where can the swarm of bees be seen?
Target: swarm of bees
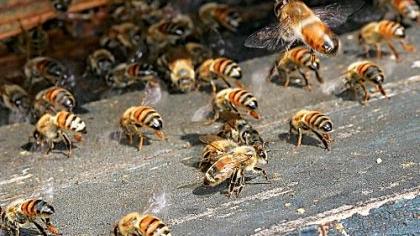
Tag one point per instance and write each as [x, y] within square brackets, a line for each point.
[150, 44]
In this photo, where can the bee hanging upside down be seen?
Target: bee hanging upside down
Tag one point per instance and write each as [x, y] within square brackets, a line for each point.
[362, 72]
[296, 59]
[28, 211]
[314, 121]
[378, 33]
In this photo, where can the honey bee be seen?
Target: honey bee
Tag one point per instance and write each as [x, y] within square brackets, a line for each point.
[405, 8]
[137, 117]
[233, 165]
[33, 42]
[15, 98]
[145, 223]
[241, 131]
[361, 72]
[100, 62]
[296, 21]
[23, 212]
[169, 31]
[136, 224]
[296, 59]
[54, 99]
[199, 53]
[220, 67]
[315, 121]
[232, 99]
[127, 74]
[61, 5]
[377, 33]
[46, 69]
[124, 36]
[217, 15]
[215, 147]
[51, 129]
[179, 66]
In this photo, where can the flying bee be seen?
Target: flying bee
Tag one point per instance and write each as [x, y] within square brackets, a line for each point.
[61, 5]
[233, 165]
[100, 62]
[362, 72]
[199, 53]
[384, 31]
[46, 69]
[15, 98]
[220, 67]
[54, 99]
[296, 21]
[169, 31]
[23, 212]
[124, 36]
[137, 117]
[296, 59]
[405, 8]
[232, 99]
[315, 121]
[242, 132]
[51, 129]
[179, 66]
[127, 74]
[145, 223]
[217, 15]
[214, 148]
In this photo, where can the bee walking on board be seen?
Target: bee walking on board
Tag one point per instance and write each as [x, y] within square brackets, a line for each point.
[146, 223]
[296, 59]
[383, 32]
[100, 62]
[314, 121]
[137, 118]
[233, 165]
[46, 69]
[216, 15]
[241, 131]
[22, 212]
[221, 67]
[179, 68]
[127, 74]
[296, 21]
[360, 73]
[406, 9]
[234, 99]
[54, 99]
[51, 129]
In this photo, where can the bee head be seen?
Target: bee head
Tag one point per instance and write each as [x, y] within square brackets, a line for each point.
[234, 18]
[400, 32]
[105, 65]
[252, 105]
[156, 124]
[186, 84]
[69, 104]
[261, 153]
[331, 45]
[327, 127]
[374, 74]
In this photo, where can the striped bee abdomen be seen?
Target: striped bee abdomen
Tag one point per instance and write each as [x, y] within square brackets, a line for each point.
[150, 225]
[34, 207]
[318, 121]
[69, 121]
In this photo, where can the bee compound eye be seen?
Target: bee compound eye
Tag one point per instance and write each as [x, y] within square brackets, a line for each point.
[327, 127]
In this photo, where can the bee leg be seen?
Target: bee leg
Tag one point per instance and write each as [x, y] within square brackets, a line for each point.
[141, 141]
[303, 74]
[323, 140]
[378, 51]
[381, 89]
[366, 96]
[287, 79]
[318, 77]
[271, 73]
[50, 147]
[40, 228]
[234, 182]
[407, 46]
[213, 87]
[394, 51]
[299, 141]
[226, 82]
[50, 227]
[260, 170]
[68, 144]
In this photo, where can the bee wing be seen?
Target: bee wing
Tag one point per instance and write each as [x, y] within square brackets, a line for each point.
[225, 167]
[157, 202]
[368, 13]
[335, 87]
[337, 13]
[209, 138]
[47, 191]
[269, 37]
[202, 113]
[152, 92]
